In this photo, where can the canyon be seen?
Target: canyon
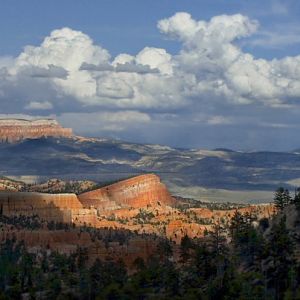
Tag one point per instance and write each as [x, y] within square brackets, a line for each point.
[138, 210]
[14, 130]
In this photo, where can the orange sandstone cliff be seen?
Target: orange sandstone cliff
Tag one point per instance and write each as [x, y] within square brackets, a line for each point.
[64, 208]
[13, 130]
[136, 192]
[141, 204]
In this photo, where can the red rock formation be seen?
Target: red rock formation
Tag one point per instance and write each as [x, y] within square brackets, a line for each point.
[12, 130]
[50, 207]
[136, 192]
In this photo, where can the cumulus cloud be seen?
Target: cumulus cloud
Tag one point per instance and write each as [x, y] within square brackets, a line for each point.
[114, 87]
[209, 66]
[156, 58]
[211, 75]
[50, 72]
[222, 28]
[221, 69]
[67, 49]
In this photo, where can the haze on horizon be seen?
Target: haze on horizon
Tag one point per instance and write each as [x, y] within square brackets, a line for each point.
[198, 74]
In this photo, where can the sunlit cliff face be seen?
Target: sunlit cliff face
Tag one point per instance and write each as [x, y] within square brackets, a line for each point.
[12, 130]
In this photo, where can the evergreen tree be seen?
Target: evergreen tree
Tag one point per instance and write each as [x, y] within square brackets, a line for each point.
[282, 198]
[281, 255]
[217, 240]
[95, 278]
[185, 246]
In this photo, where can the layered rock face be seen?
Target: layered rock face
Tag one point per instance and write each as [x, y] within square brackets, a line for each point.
[49, 207]
[136, 192]
[13, 130]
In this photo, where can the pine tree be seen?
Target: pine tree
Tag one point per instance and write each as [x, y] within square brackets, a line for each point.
[282, 198]
[218, 240]
[287, 197]
[281, 255]
[185, 246]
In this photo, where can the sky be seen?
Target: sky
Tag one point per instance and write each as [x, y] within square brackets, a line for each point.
[185, 73]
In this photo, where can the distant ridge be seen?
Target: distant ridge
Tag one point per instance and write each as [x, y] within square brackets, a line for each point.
[14, 130]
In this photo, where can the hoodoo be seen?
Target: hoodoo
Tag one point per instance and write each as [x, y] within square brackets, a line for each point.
[13, 130]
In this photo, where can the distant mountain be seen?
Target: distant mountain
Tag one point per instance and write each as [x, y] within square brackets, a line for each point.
[201, 174]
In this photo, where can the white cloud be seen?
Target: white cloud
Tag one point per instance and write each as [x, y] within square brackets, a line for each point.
[68, 49]
[68, 73]
[114, 87]
[222, 28]
[123, 58]
[209, 66]
[221, 69]
[156, 58]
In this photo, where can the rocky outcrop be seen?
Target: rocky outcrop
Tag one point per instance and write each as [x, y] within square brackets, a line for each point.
[49, 207]
[13, 130]
[136, 192]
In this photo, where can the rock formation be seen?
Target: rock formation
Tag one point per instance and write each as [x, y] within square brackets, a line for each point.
[13, 130]
[141, 204]
[50, 207]
[135, 192]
